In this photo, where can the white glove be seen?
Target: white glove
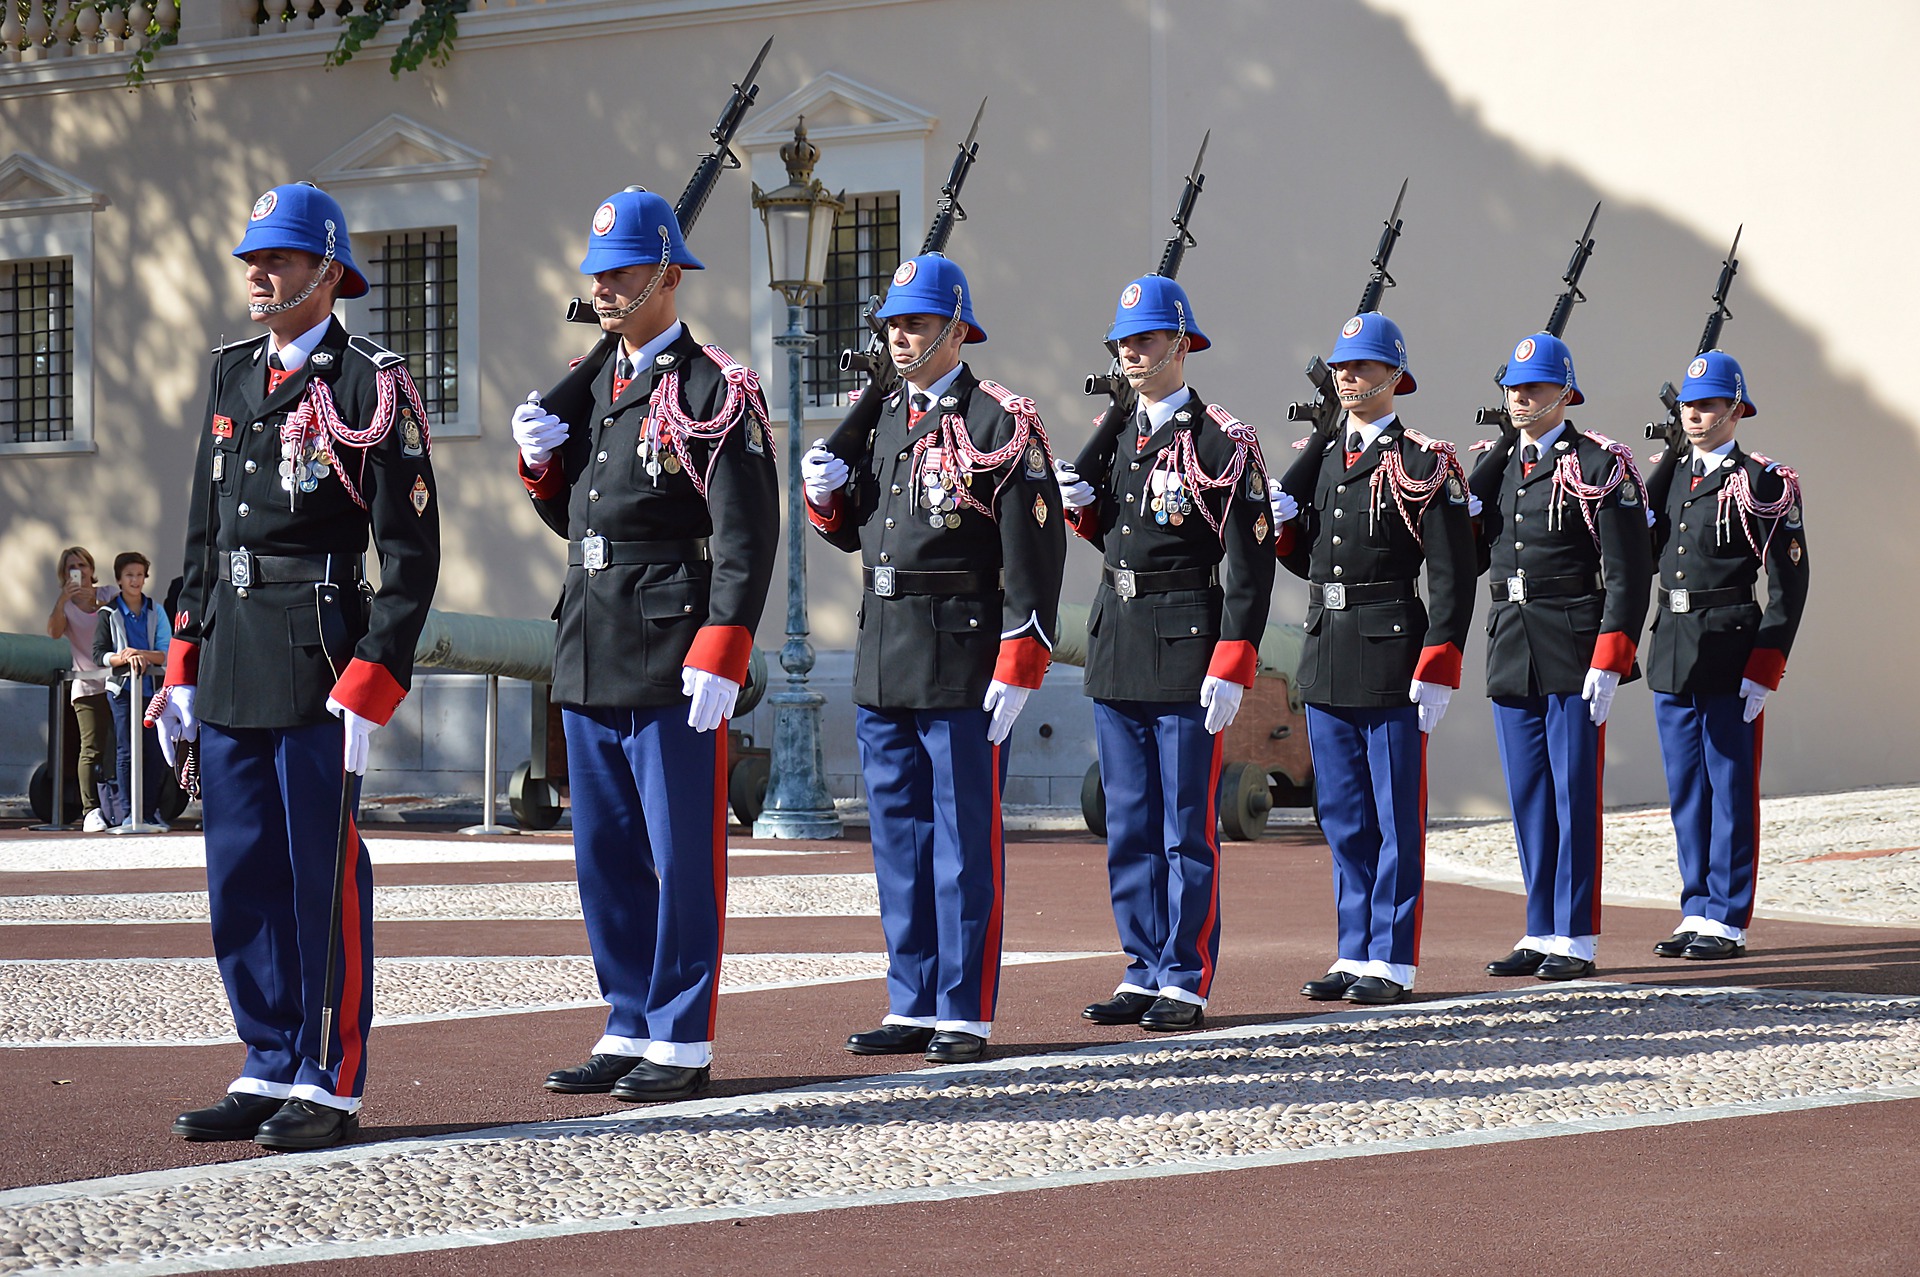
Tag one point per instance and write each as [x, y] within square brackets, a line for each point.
[1221, 696]
[1004, 701]
[712, 697]
[537, 431]
[1756, 698]
[1075, 493]
[821, 473]
[176, 722]
[1474, 506]
[1432, 699]
[1281, 502]
[1598, 693]
[358, 731]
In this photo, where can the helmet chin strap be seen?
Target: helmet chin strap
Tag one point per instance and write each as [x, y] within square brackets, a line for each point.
[260, 310]
[1525, 419]
[933, 347]
[1354, 400]
[1141, 378]
[619, 313]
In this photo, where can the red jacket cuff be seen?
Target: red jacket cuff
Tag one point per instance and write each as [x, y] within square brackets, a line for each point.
[1082, 522]
[722, 650]
[1283, 540]
[1235, 660]
[827, 519]
[1439, 665]
[369, 690]
[1023, 662]
[1766, 666]
[544, 484]
[183, 663]
[1614, 651]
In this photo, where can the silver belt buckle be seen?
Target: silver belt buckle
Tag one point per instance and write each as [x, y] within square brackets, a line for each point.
[1333, 597]
[883, 582]
[593, 553]
[1125, 584]
[1516, 589]
[240, 568]
[1679, 601]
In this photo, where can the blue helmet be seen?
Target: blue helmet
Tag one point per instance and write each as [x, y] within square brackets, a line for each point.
[635, 227]
[1154, 303]
[1374, 336]
[1543, 358]
[930, 285]
[301, 215]
[1717, 375]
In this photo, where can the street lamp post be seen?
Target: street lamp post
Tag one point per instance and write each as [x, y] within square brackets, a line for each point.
[799, 219]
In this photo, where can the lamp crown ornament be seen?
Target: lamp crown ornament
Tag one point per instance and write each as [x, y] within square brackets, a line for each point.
[800, 155]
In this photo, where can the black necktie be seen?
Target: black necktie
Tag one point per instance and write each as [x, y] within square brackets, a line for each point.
[1355, 443]
[274, 362]
[624, 370]
[1699, 467]
[921, 403]
[1529, 455]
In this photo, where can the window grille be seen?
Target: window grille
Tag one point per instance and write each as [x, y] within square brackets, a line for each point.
[36, 350]
[866, 248]
[415, 307]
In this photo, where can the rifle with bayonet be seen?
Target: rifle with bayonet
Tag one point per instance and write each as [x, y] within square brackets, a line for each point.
[1671, 429]
[707, 175]
[1324, 410]
[876, 359]
[1556, 322]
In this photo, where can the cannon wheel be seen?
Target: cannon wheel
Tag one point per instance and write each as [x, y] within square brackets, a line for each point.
[1244, 800]
[532, 800]
[1093, 802]
[40, 795]
[747, 787]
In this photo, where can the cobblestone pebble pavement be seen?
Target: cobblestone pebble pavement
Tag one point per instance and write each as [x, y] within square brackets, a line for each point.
[1584, 1057]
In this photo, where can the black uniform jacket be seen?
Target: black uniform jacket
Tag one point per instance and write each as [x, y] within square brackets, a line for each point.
[1366, 654]
[627, 630]
[940, 650]
[1159, 646]
[269, 653]
[1588, 602]
[1709, 648]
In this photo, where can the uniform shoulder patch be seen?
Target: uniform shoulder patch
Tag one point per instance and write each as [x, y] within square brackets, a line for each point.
[373, 352]
[1456, 490]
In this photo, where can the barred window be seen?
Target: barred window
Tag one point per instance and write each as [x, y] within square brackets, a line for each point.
[866, 248]
[36, 350]
[414, 278]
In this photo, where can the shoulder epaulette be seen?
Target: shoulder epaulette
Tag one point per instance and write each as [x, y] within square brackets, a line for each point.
[1427, 443]
[1239, 431]
[376, 354]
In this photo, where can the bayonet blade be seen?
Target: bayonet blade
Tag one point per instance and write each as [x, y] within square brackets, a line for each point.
[1736, 244]
[1194, 176]
[1594, 217]
[754, 70]
[1393, 218]
[975, 130]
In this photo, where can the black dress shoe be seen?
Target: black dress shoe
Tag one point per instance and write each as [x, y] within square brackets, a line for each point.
[302, 1124]
[1373, 990]
[1676, 944]
[951, 1046]
[1519, 962]
[891, 1039]
[235, 1117]
[1170, 1015]
[1560, 967]
[650, 1083]
[595, 1077]
[1330, 987]
[1712, 948]
[1121, 1008]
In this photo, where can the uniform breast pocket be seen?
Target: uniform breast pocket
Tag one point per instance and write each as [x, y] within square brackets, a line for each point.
[1726, 636]
[966, 638]
[671, 602]
[312, 675]
[1585, 615]
[1185, 634]
[1389, 642]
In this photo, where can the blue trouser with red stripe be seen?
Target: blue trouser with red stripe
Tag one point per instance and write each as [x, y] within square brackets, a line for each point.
[1554, 758]
[1370, 786]
[271, 809]
[1712, 757]
[650, 849]
[1159, 767]
[933, 802]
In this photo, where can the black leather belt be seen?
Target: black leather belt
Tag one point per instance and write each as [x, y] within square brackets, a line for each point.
[1128, 584]
[1695, 600]
[1518, 589]
[244, 568]
[1337, 596]
[889, 583]
[594, 553]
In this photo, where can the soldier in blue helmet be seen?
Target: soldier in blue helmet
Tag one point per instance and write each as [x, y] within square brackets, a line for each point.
[285, 662]
[1173, 491]
[652, 458]
[1723, 518]
[947, 494]
[1362, 513]
[1562, 528]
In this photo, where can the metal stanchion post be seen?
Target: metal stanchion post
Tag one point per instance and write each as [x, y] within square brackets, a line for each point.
[487, 824]
[57, 810]
[136, 822]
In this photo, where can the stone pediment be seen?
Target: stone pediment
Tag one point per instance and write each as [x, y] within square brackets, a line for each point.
[33, 186]
[837, 108]
[397, 150]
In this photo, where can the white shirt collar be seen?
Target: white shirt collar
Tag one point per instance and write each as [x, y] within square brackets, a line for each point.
[293, 355]
[1722, 451]
[939, 387]
[1159, 414]
[646, 353]
[1545, 441]
[1368, 431]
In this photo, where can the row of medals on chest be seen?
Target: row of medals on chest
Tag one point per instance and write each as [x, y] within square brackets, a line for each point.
[940, 484]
